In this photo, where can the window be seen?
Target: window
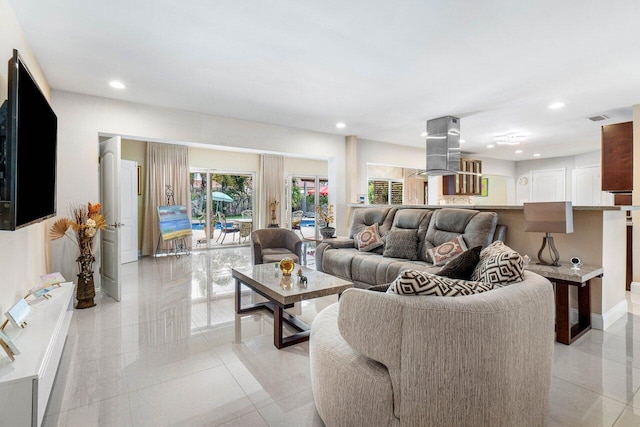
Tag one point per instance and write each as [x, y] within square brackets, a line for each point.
[385, 192]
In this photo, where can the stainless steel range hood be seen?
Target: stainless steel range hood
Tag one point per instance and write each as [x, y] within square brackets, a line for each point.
[443, 146]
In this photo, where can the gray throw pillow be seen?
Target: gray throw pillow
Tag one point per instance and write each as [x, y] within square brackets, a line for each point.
[401, 244]
[462, 266]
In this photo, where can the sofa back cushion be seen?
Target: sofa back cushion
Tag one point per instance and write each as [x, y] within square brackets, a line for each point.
[477, 228]
[364, 217]
[413, 219]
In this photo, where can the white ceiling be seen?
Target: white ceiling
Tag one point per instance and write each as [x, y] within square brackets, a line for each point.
[382, 67]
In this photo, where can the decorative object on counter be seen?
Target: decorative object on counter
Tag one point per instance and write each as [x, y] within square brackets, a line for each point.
[18, 314]
[548, 217]
[327, 218]
[8, 346]
[526, 259]
[361, 198]
[273, 205]
[576, 263]
[302, 279]
[85, 222]
[287, 265]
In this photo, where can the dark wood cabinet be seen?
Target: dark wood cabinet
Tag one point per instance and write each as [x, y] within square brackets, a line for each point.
[617, 157]
[465, 183]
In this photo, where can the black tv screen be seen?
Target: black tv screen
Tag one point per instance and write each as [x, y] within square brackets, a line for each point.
[28, 159]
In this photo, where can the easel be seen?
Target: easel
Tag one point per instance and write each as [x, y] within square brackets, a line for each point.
[179, 244]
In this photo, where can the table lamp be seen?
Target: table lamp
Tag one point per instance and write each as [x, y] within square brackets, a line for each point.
[548, 217]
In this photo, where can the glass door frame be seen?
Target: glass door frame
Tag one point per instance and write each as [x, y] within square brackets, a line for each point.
[289, 186]
[208, 206]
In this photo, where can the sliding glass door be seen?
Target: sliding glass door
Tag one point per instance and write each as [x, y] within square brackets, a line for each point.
[304, 193]
[221, 208]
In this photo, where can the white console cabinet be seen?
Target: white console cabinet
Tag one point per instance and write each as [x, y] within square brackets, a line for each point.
[26, 383]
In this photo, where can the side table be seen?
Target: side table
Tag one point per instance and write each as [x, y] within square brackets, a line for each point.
[565, 276]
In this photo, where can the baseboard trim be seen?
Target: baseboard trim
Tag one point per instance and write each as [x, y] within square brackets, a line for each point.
[603, 321]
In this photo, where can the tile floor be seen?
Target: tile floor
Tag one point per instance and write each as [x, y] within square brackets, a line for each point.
[172, 352]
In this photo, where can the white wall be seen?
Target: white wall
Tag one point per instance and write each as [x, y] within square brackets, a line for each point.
[81, 118]
[23, 252]
[524, 168]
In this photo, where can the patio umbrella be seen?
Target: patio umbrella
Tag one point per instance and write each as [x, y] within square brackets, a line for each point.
[221, 197]
[324, 190]
[218, 196]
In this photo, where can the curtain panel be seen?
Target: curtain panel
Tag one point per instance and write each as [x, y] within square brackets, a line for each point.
[271, 189]
[167, 164]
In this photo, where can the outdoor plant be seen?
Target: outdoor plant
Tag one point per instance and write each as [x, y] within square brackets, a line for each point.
[325, 215]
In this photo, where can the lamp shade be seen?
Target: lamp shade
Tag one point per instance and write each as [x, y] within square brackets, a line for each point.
[548, 217]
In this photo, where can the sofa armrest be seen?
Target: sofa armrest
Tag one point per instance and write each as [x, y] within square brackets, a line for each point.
[293, 243]
[371, 322]
[340, 242]
[256, 248]
[335, 243]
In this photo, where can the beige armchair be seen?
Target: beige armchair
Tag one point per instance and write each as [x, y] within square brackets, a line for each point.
[478, 360]
[273, 244]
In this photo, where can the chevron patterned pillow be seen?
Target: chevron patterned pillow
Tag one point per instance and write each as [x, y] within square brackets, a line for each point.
[499, 264]
[414, 282]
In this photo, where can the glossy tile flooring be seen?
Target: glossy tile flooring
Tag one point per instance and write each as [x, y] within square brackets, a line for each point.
[173, 352]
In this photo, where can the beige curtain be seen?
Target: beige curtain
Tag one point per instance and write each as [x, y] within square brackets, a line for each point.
[167, 164]
[271, 189]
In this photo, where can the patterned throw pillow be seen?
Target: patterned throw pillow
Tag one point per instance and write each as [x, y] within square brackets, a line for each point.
[499, 264]
[447, 251]
[369, 238]
[401, 244]
[462, 266]
[414, 282]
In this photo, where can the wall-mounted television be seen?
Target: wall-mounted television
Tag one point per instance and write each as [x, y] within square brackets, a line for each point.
[28, 142]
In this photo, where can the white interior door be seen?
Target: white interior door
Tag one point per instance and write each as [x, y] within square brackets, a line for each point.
[129, 210]
[548, 185]
[110, 199]
[585, 186]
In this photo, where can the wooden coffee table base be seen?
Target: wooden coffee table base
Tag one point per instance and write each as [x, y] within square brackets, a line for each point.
[280, 317]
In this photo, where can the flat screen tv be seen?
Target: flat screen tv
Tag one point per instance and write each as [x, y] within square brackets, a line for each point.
[28, 141]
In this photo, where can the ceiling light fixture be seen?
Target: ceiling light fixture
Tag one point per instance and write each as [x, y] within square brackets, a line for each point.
[536, 155]
[340, 125]
[490, 146]
[518, 151]
[117, 85]
[511, 138]
[462, 141]
[423, 134]
[556, 105]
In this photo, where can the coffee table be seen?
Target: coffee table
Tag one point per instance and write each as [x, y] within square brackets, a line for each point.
[281, 294]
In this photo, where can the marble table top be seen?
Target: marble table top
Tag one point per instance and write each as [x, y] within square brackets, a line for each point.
[269, 280]
[566, 272]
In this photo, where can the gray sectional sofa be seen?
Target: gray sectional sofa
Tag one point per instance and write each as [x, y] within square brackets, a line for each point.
[339, 256]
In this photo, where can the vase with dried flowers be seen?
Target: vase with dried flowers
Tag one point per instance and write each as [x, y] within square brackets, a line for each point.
[85, 221]
[327, 218]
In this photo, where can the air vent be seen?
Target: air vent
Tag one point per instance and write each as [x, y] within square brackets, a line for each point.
[598, 118]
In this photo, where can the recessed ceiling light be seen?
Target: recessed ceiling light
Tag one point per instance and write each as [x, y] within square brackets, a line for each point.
[116, 84]
[536, 155]
[490, 146]
[423, 134]
[556, 105]
[518, 151]
[340, 125]
[462, 141]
